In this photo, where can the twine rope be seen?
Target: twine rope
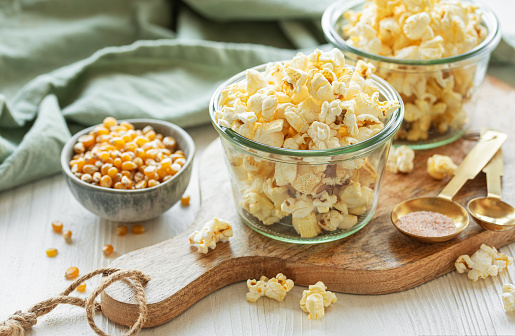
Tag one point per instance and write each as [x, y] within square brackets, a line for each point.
[19, 322]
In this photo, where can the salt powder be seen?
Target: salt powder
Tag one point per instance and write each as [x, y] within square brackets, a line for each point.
[427, 224]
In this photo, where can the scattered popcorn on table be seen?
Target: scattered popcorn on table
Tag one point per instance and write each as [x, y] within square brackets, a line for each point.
[484, 262]
[275, 288]
[316, 299]
[422, 30]
[440, 166]
[400, 160]
[313, 102]
[508, 297]
[213, 231]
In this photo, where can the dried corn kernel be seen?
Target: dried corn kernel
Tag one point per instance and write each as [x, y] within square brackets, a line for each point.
[127, 125]
[120, 185]
[67, 235]
[107, 249]
[126, 182]
[121, 230]
[79, 147]
[81, 288]
[152, 183]
[97, 177]
[87, 140]
[112, 172]
[138, 229]
[71, 273]
[147, 129]
[89, 169]
[185, 200]
[109, 122]
[129, 165]
[141, 185]
[169, 142]
[106, 181]
[57, 226]
[51, 252]
[87, 178]
[117, 162]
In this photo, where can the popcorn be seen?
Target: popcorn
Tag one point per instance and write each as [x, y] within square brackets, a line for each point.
[285, 173]
[421, 30]
[508, 297]
[256, 289]
[307, 180]
[275, 288]
[254, 81]
[213, 231]
[400, 160]
[323, 202]
[484, 262]
[307, 227]
[440, 166]
[322, 136]
[316, 299]
[312, 102]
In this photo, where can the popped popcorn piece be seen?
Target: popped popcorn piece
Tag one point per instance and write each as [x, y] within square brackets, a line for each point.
[254, 81]
[508, 297]
[400, 160]
[323, 201]
[484, 262]
[275, 288]
[256, 289]
[213, 231]
[307, 227]
[316, 299]
[440, 166]
[322, 136]
[332, 219]
[307, 180]
[300, 206]
[285, 173]
[257, 204]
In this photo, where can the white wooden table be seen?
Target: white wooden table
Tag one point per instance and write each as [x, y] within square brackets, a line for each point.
[451, 304]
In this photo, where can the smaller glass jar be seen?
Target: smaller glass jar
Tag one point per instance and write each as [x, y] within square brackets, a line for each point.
[439, 94]
[306, 196]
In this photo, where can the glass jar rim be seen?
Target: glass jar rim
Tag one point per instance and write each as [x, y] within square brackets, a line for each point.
[336, 10]
[391, 127]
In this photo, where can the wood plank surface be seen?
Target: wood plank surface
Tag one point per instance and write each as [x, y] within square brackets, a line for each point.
[376, 260]
[449, 305]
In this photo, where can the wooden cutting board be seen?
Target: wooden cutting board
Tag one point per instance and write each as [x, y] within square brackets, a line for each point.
[376, 260]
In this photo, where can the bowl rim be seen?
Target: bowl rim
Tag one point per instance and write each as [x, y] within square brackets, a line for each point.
[336, 10]
[371, 143]
[65, 159]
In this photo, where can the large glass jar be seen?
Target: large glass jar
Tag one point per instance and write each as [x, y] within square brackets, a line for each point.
[439, 94]
[306, 196]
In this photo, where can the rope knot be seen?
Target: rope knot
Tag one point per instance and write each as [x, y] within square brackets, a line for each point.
[17, 323]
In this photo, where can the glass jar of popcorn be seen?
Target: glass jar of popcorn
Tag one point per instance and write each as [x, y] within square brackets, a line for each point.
[434, 53]
[295, 185]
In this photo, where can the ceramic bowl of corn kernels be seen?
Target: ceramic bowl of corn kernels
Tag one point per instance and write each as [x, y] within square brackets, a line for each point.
[435, 56]
[130, 171]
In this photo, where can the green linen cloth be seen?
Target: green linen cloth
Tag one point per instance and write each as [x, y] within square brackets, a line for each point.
[67, 64]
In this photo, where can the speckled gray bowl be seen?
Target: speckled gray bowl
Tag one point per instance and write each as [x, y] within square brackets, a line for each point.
[132, 205]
